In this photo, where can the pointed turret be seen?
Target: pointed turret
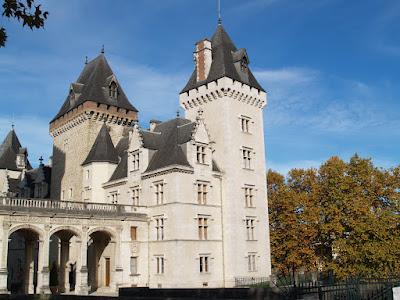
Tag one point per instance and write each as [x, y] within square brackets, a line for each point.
[96, 83]
[103, 149]
[223, 60]
[9, 150]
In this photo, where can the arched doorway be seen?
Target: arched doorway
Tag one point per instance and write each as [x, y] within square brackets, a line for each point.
[64, 249]
[100, 259]
[22, 260]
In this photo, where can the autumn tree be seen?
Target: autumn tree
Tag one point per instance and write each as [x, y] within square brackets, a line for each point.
[293, 217]
[23, 11]
[342, 218]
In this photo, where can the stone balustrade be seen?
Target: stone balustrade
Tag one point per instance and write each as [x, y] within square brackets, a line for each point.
[11, 204]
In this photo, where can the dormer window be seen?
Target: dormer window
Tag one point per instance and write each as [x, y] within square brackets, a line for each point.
[243, 64]
[72, 96]
[113, 90]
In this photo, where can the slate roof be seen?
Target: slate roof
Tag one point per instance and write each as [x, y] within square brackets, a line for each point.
[32, 177]
[121, 171]
[224, 54]
[103, 149]
[9, 150]
[92, 85]
[167, 139]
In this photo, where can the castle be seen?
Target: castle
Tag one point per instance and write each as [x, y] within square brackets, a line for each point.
[180, 204]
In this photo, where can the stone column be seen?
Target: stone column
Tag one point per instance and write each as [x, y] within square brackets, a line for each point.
[64, 257]
[29, 266]
[3, 258]
[43, 263]
[117, 280]
[82, 287]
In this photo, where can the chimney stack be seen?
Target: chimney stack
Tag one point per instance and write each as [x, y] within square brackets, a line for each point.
[203, 59]
[153, 124]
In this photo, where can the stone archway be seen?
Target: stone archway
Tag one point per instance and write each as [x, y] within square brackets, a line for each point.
[64, 249]
[101, 259]
[23, 259]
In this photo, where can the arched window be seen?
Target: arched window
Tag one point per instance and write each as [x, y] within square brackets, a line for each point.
[113, 90]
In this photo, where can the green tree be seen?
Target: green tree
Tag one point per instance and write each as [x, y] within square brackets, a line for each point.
[23, 11]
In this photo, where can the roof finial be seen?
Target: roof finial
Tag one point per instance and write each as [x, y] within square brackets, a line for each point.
[177, 113]
[102, 49]
[41, 160]
[219, 12]
[86, 60]
[12, 126]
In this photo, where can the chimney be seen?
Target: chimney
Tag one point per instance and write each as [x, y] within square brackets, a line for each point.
[203, 59]
[153, 124]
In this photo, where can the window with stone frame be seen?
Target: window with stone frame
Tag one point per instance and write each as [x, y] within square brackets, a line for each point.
[135, 195]
[204, 263]
[113, 197]
[135, 160]
[202, 192]
[249, 195]
[250, 226]
[134, 265]
[160, 264]
[251, 262]
[159, 192]
[159, 225]
[203, 227]
[247, 157]
[201, 153]
[245, 124]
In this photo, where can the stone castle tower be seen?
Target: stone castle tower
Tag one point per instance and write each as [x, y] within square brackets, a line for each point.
[224, 90]
[94, 99]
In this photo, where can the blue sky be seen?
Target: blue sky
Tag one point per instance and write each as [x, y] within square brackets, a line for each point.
[331, 68]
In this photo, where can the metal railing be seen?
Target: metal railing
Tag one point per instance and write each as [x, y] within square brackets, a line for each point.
[67, 207]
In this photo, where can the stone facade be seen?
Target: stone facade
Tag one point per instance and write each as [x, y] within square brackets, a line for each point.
[179, 205]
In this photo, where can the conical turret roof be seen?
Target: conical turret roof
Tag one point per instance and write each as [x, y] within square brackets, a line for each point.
[224, 53]
[9, 150]
[103, 149]
[92, 85]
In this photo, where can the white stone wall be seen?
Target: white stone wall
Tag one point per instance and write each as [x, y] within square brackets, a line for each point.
[223, 105]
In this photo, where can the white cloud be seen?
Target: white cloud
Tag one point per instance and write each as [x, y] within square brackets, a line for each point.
[284, 168]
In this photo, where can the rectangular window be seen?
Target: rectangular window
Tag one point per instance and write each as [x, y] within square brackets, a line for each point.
[70, 194]
[159, 264]
[250, 224]
[133, 233]
[159, 192]
[201, 154]
[114, 197]
[203, 227]
[87, 174]
[204, 263]
[63, 195]
[246, 155]
[134, 265]
[249, 196]
[202, 193]
[245, 124]
[135, 160]
[252, 262]
[135, 196]
[160, 228]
